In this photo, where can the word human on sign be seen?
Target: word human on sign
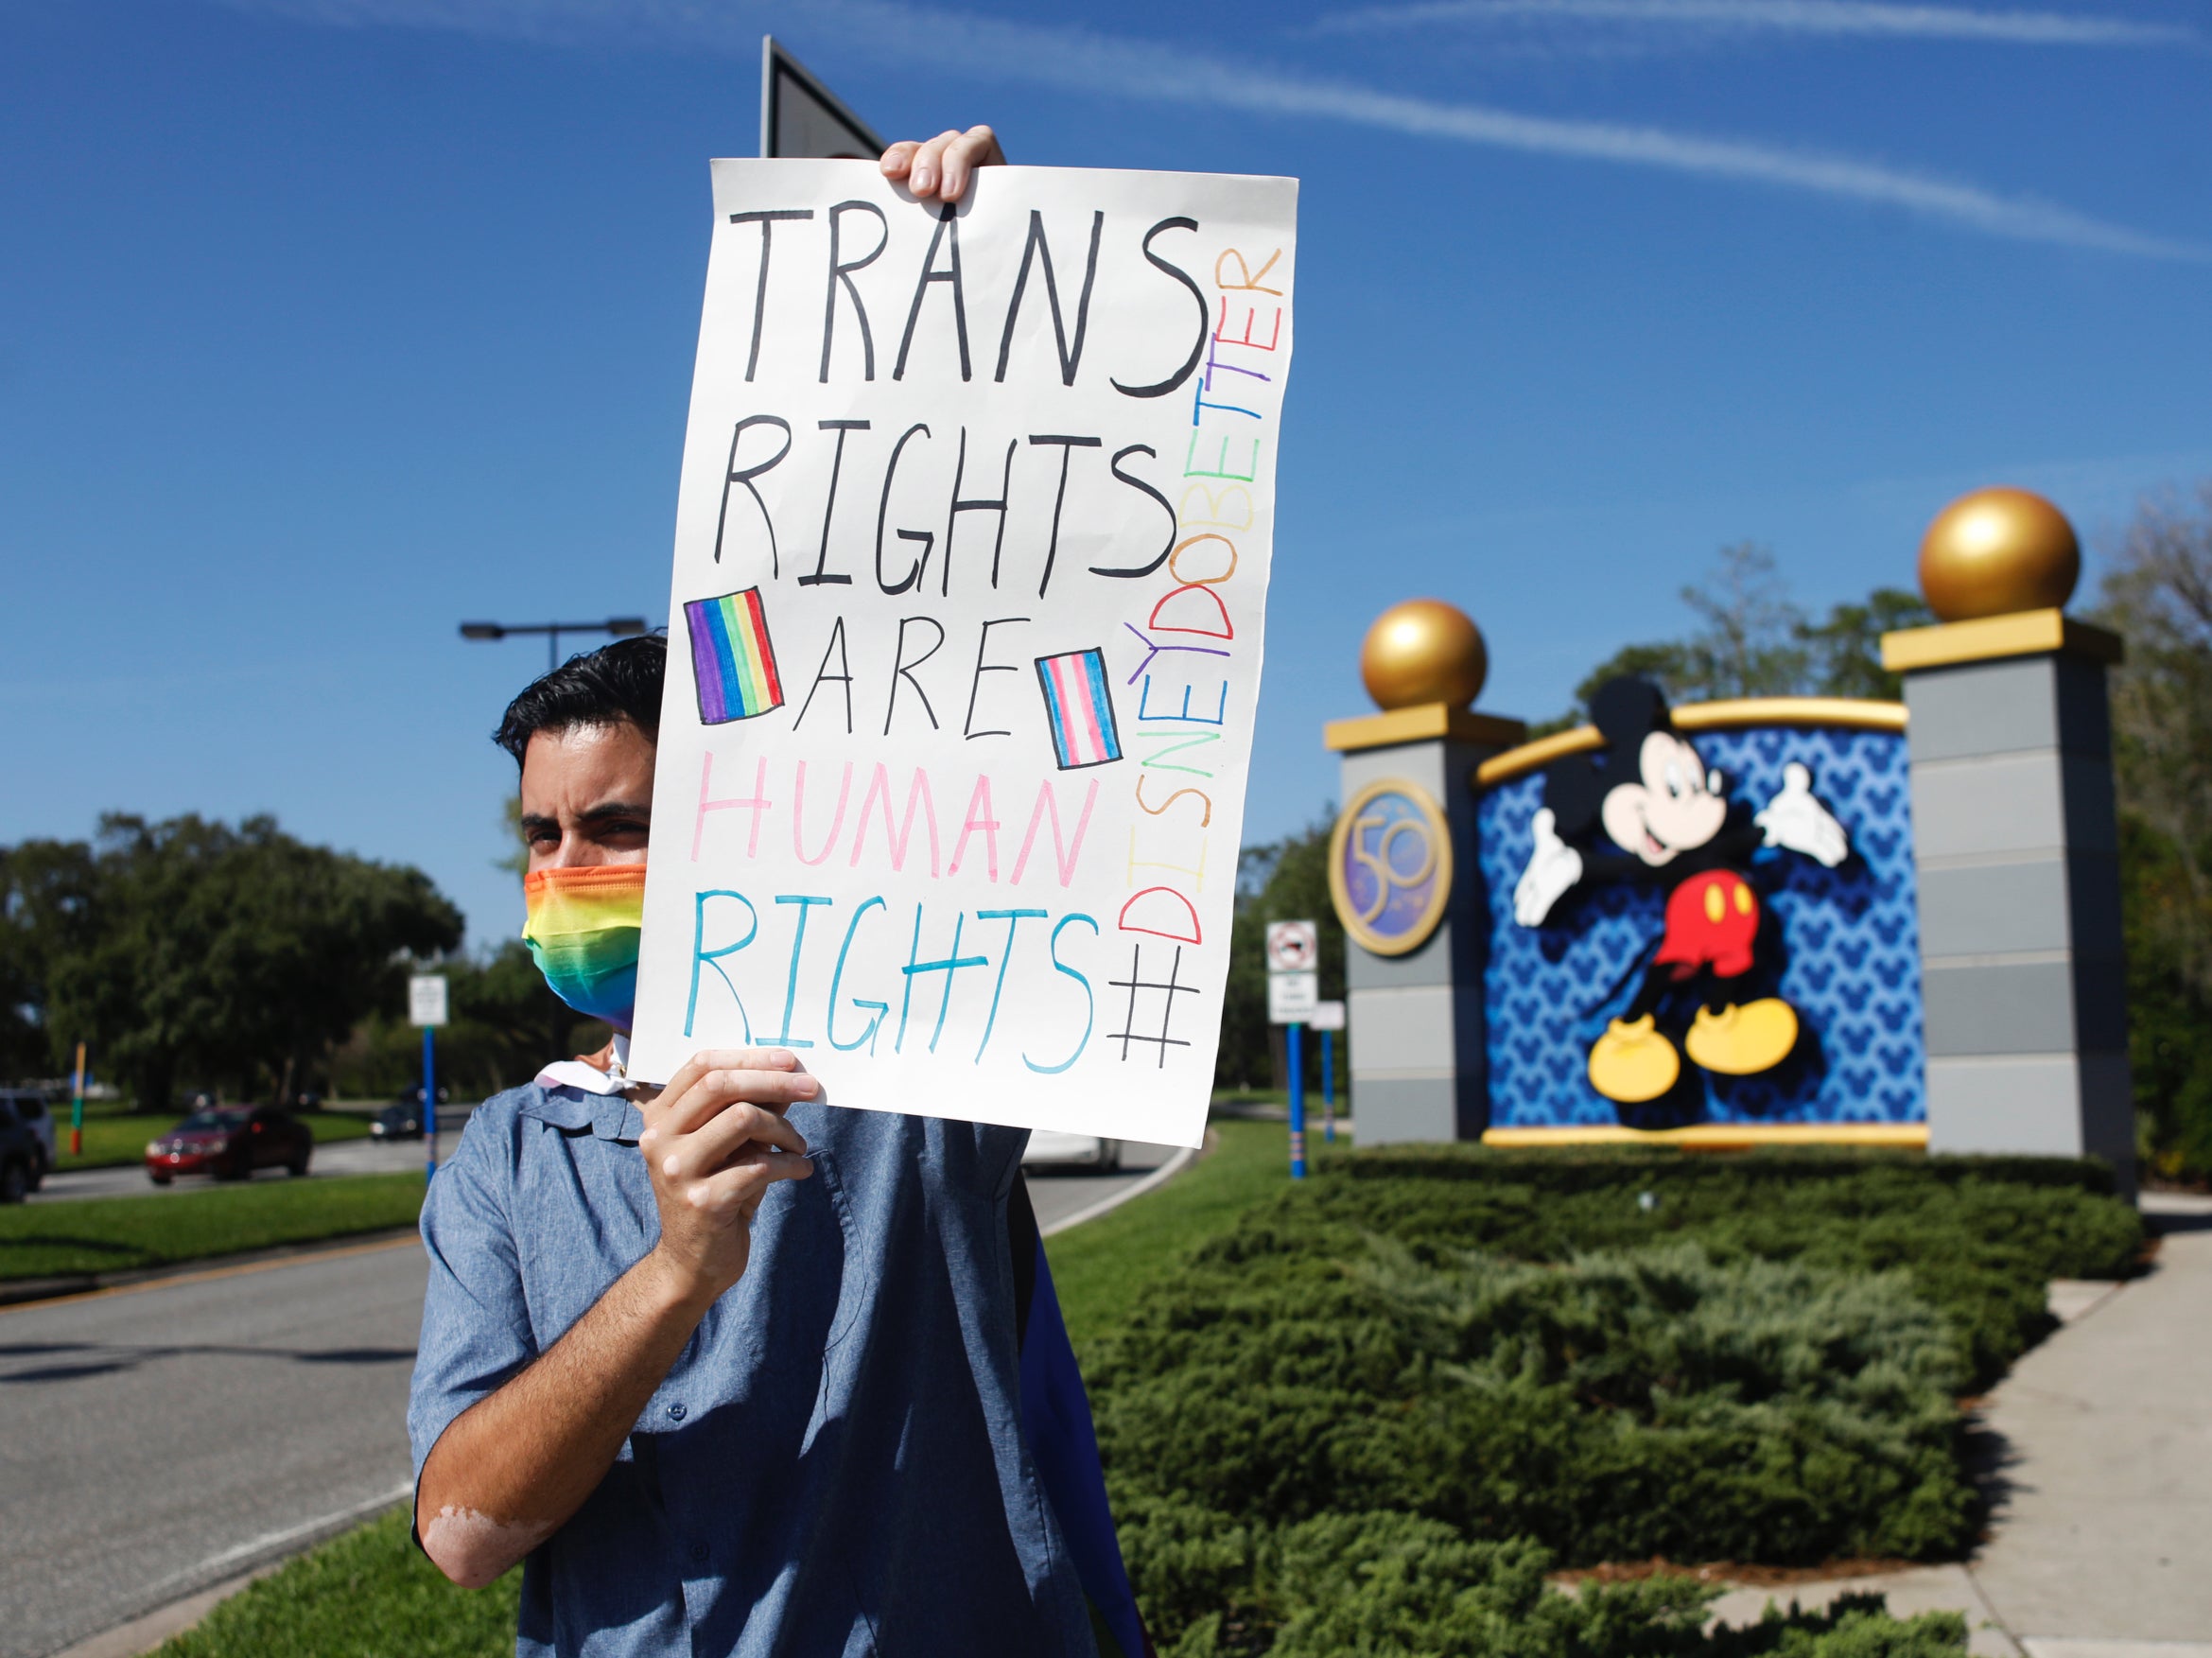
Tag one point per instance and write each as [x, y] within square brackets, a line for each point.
[971, 561]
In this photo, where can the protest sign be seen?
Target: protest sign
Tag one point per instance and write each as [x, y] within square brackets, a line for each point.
[971, 561]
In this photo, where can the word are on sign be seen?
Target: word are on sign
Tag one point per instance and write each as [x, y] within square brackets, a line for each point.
[1326, 1016]
[426, 999]
[972, 552]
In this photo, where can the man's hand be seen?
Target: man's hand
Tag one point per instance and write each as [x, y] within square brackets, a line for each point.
[1795, 819]
[1553, 867]
[714, 1141]
[941, 166]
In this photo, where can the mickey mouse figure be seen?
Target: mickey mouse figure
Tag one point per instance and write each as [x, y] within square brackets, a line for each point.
[1658, 802]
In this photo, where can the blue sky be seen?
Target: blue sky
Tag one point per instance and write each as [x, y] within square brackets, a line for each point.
[327, 323]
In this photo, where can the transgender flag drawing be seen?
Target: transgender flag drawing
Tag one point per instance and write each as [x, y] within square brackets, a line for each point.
[1079, 708]
[731, 657]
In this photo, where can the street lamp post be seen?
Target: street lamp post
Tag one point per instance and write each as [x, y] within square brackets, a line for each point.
[620, 626]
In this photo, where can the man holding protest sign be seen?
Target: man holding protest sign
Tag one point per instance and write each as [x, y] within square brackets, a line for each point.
[737, 1370]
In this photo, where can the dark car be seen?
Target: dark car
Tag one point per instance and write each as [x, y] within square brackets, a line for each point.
[22, 1161]
[399, 1121]
[28, 1107]
[230, 1143]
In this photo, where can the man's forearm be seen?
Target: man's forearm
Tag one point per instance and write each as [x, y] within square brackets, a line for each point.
[511, 1468]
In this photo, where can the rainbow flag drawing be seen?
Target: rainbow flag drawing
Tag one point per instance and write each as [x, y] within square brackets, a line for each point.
[1079, 708]
[731, 657]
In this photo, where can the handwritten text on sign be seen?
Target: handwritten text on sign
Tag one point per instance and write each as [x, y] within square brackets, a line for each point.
[972, 565]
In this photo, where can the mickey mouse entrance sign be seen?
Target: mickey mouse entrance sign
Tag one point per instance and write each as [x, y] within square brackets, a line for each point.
[1708, 988]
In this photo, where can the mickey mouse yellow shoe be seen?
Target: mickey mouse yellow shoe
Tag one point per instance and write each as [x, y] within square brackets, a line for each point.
[1742, 1041]
[1632, 1062]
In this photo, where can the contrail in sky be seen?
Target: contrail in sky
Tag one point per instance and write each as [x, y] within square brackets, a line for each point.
[1860, 18]
[1079, 60]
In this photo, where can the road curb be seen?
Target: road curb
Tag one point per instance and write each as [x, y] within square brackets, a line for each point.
[22, 1292]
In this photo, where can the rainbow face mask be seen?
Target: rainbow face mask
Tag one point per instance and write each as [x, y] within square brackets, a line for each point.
[582, 929]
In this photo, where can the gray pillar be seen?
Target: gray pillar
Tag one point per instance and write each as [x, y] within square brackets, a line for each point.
[2015, 846]
[1417, 1044]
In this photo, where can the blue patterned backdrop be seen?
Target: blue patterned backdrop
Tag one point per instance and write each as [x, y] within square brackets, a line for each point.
[1851, 937]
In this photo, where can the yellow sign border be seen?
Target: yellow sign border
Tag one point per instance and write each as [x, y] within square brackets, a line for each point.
[1440, 836]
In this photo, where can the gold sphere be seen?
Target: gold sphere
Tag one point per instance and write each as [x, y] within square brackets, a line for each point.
[1996, 551]
[1423, 651]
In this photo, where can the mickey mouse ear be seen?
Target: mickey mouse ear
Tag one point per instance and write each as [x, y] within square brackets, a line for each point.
[1627, 709]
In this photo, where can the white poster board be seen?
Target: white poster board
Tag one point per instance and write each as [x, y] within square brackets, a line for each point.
[971, 563]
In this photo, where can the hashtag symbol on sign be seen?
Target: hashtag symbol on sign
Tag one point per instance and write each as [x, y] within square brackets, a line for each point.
[1137, 981]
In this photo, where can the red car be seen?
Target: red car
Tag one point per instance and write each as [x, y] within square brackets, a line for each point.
[230, 1143]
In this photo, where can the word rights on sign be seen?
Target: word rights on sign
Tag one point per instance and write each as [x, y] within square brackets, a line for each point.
[972, 565]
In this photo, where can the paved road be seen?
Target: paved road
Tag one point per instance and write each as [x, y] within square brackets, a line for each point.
[169, 1437]
[154, 1442]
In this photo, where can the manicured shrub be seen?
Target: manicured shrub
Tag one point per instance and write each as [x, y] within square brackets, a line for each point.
[1853, 1626]
[1386, 1584]
[1981, 1236]
[1579, 1357]
[1616, 1407]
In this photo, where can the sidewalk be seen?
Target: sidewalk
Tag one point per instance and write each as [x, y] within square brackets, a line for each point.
[2101, 1543]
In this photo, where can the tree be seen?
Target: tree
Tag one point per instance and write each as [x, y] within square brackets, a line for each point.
[1754, 641]
[45, 895]
[1847, 648]
[1279, 880]
[238, 956]
[2158, 593]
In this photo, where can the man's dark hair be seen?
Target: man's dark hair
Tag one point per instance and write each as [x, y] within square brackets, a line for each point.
[614, 683]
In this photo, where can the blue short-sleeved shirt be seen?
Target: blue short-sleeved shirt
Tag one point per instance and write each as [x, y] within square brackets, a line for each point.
[835, 1465]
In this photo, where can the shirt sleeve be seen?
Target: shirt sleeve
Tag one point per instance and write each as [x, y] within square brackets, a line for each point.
[476, 1322]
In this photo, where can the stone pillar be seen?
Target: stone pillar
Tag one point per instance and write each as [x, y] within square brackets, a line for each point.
[2015, 846]
[1415, 943]
[1419, 1047]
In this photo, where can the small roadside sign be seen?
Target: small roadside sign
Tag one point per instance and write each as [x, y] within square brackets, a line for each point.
[1326, 1016]
[1291, 997]
[1293, 946]
[426, 999]
[799, 117]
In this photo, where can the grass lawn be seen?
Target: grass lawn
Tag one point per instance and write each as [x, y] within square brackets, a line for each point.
[117, 1137]
[116, 1234]
[368, 1594]
[1104, 1267]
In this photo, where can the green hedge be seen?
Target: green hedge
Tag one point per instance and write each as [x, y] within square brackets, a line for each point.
[1981, 1236]
[1594, 1357]
[1384, 1585]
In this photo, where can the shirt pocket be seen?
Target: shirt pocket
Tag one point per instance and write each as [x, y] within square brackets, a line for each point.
[798, 1298]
